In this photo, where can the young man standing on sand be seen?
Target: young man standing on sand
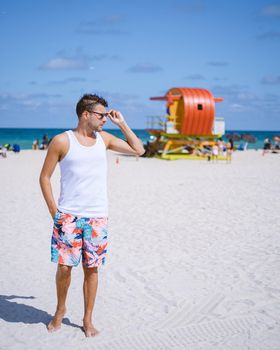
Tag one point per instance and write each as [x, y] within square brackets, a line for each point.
[80, 218]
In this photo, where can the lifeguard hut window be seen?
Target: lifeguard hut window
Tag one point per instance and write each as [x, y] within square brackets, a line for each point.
[200, 107]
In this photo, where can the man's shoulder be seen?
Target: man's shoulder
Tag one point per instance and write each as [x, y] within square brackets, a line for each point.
[106, 136]
[60, 138]
[59, 141]
[104, 133]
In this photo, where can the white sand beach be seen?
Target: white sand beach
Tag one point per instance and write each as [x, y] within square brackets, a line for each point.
[193, 259]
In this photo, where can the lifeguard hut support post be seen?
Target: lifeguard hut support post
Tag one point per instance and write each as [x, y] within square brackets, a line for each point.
[190, 126]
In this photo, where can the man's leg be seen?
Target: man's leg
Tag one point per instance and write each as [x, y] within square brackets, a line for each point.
[63, 279]
[90, 289]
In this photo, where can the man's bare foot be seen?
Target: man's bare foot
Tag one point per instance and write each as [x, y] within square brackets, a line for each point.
[89, 329]
[55, 323]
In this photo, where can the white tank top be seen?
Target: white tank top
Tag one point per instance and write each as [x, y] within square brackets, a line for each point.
[83, 190]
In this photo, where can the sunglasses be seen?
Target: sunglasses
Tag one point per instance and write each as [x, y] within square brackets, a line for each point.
[101, 115]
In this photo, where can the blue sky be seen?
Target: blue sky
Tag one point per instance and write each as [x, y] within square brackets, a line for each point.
[127, 51]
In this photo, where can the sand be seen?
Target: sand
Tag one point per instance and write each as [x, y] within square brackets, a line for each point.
[193, 260]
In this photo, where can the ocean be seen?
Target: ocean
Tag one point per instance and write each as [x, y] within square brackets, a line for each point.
[25, 137]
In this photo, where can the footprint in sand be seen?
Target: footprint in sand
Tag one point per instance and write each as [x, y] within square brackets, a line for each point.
[184, 337]
[119, 277]
[136, 275]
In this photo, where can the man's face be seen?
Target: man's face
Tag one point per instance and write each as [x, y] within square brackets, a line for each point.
[97, 117]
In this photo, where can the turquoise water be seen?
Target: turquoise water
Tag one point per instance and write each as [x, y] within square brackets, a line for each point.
[25, 137]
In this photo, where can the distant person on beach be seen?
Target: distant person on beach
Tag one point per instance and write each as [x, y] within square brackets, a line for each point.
[81, 216]
[45, 141]
[221, 147]
[229, 152]
[215, 152]
[231, 144]
[206, 151]
[266, 146]
[35, 144]
[276, 143]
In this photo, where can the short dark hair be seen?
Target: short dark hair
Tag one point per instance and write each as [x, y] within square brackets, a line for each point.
[88, 101]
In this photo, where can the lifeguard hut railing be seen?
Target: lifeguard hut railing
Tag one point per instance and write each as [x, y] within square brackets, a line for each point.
[190, 111]
[158, 123]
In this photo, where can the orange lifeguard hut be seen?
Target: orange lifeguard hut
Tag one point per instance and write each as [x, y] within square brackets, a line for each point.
[190, 126]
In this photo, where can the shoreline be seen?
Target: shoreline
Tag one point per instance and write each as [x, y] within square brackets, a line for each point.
[25, 137]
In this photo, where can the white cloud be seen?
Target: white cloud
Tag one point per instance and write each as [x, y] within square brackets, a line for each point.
[271, 10]
[67, 81]
[26, 101]
[65, 64]
[218, 63]
[192, 7]
[110, 25]
[272, 35]
[195, 77]
[236, 107]
[144, 68]
[247, 96]
[271, 80]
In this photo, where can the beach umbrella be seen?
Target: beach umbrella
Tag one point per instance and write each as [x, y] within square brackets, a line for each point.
[233, 137]
[249, 138]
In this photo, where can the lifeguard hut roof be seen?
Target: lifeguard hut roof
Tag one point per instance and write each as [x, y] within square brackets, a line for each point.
[192, 109]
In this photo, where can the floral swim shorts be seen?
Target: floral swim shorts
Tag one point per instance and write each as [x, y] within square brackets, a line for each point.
[75, 236]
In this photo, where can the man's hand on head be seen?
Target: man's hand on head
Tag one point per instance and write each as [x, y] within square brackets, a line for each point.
[116, 117]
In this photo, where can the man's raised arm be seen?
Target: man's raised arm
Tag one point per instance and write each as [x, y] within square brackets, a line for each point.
[133, 144]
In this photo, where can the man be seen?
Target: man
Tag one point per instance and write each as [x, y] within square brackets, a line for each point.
[80, 218]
